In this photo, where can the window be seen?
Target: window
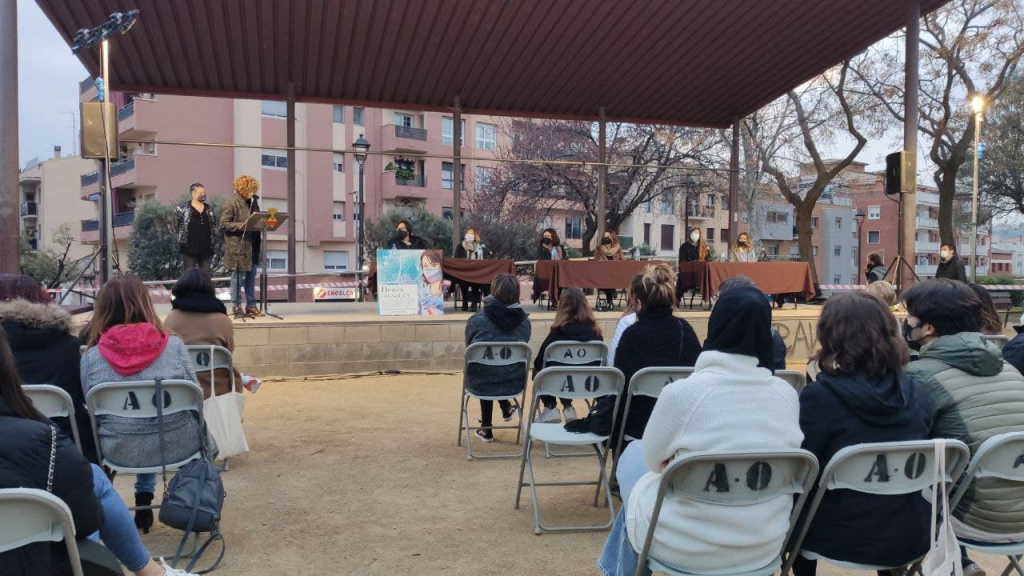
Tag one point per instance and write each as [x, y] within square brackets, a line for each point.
[335, 260]
[277, 159]
[778, 218]
[744, 218]
[339, 211]
[646, 206]
[873, 237]
[573, 228]
[403, 120]
[339, 114]
[448, 214]
[447, 175]
[837, 251]
[771, 249]
[668, 233]
[709, 200]
[814, 250]
[485, 136]
[723, 235]
[339, 162]
[277, 259]
[837, 279]
[447, 131]
[814, 222]
[839, 223]
[484, 175]
[668, 204]
[274, 108]
[874, 212]
[357, 116]
[794, 250]
[710, 236]
[647, 234]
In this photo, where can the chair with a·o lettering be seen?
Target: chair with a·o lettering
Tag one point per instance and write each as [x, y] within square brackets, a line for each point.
[492, 355]
[646, 382]
[574, 353]
[54, 402]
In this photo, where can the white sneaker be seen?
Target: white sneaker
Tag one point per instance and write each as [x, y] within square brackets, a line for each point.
[549, 416]
[173, 571]
[570, 414]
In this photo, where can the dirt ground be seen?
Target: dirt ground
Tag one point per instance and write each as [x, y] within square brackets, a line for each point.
[361, 475]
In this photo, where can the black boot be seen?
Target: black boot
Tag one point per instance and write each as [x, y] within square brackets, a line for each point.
[144, 518]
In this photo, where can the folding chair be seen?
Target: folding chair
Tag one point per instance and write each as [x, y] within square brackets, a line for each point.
[31, 516]
[883, 469]
[769, 475]
[54, 402]
[795, 378]
[584, 382]
[493, 354]
[999, 340]
[574, 353]
[997, 457]
[210, 358]
[646, 382]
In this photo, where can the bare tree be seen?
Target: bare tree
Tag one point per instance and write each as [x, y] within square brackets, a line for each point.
[50, 266]
[970, 47]
[1001, 170]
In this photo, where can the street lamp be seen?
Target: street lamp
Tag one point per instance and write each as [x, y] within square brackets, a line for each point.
[978, 106]
[859, 216]
[689, 185]
[361, 146]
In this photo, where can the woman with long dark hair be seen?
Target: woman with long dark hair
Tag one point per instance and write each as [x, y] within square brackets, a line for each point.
[574, 320]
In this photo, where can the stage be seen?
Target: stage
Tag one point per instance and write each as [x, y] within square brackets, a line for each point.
[321, 338]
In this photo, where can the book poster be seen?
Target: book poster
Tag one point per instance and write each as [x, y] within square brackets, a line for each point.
[409, 283]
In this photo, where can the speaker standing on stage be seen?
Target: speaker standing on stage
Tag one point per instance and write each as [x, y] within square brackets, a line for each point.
[743, 251]
[242, 249]
[196, 228]
[950, 265]
[610, 249]
[404, 239]
[470, 248]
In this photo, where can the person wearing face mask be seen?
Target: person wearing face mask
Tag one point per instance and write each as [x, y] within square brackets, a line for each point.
[974, 396]
[743, 251]
[241, 248]
[195, 227]
[470, 248]
[610, 249]
[404, 238]
[431, 287]
[550, 247]
[693, 250]
[950, 265]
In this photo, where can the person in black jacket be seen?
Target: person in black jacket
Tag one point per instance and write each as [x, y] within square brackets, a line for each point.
[45, 352]
[574, 320]
[656, 339]
[950, 265]
[876, 271]
[404, 238]
[470, 248]
[694, 249]
[862, 395]
[778, 344]
[550, 247]
[1013, 352]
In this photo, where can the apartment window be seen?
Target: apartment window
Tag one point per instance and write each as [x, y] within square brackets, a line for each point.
[275, 159]
[709, 200]
[839, 223]
[794, 250]
[647, 234]
[668, 204]
[874, 212]
[339, 114]
[873, 237]
[646, 206]
[484, 175]
[668, 233]
[335, 260]
[814, 222]
[573, 228]
[772, 249]
[339, 162]
[403, 120]
[277, 259]
[723, 235]
[339, 211]
[357, 116]
[744, 218]
[447, 131]
[447, 175]
[448, 214]
[274, 108]
[486, 135]
[837, 251]
[814, 250]
[710, 236]
[778, 218]
[837, 279]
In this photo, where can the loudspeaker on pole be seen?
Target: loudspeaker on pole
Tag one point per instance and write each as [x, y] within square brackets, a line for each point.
[900, 176]
[92, 129]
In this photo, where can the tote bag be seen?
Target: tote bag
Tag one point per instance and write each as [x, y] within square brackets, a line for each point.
[943, 557]
[223, 415]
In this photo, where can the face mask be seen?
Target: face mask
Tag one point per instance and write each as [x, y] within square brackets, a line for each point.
[546, 241]
[741, 242]
[606, 241]
[202, 198]
[944, 255]
[469, 237]
[908, 335]
[432, 275]
[403, 233]
[695, 237]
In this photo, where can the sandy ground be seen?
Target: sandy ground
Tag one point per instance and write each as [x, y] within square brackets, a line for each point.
[361, 475]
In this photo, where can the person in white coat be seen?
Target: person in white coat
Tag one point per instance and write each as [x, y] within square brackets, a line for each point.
[731, 402]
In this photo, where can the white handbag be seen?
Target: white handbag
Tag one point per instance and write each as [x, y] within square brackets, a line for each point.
[943, 557]
[223, 416]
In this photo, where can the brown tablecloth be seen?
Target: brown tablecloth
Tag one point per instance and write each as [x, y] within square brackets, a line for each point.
[476, 271]
[553, 275]
[543, 274]
[770, 277]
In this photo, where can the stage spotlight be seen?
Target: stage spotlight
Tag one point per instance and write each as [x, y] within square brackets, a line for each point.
[128, 20]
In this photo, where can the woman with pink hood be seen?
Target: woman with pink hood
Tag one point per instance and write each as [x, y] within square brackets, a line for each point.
[127, 342]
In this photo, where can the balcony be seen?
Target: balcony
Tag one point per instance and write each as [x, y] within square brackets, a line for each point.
[118, 168]
[410, 133]
[923, 222]
[29, 209]
[139, 170]
[33, 243]
[122, 228]
[126, 111]
[927, 246]
[419, 181]
[701, 212]
[90, 178]
[403, 139]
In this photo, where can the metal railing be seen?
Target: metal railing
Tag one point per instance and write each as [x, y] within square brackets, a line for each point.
[124, 219]
[418, 180]
[90, 225]
[29, 209]
[90, 178]
[126, 111]
[118, 168]
[701, 212]
[411, 133]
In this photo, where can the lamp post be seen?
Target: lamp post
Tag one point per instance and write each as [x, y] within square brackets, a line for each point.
[689, 185]
[978, 106]
[361, 146]
[858, 262]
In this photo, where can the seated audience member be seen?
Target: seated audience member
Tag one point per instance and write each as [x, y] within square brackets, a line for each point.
[990, 323]
[743, 251]
[884, 291]
[27, 441]
[974, 394]
[45, 352]
[574, 320]
[656, 339]
[128, 342]
[731, 402]
[875, 270]
[198, 317]
[1013, 352]
[628, 316]
[610, 249]
[778, 344]
[861, 395]
[501, 320]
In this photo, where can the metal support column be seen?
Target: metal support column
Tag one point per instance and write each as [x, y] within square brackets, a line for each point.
[107, 238]
[734, 181]
[456, 172]
[908, 199]
[294, 224]
[10, 213]
[602, 175]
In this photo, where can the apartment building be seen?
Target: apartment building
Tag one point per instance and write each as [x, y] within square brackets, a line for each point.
[663, 224]
[48, 192]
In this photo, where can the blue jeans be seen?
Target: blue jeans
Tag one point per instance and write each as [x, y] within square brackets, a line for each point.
[618, 557]
[118, 532]
[239, 279]
[145, 483]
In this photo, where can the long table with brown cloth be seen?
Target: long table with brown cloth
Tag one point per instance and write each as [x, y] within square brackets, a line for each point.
[770, 277]
[553, 275]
